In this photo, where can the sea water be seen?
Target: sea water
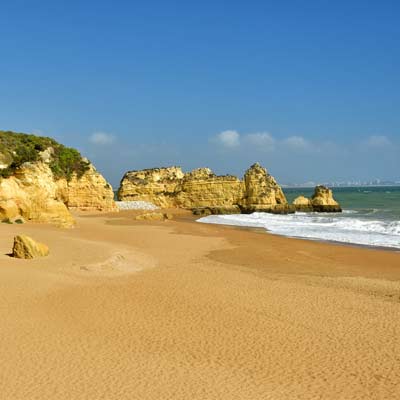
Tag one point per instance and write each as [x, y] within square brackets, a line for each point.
[371, 217]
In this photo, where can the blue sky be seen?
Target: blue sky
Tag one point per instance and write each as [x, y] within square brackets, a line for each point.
[310, 89]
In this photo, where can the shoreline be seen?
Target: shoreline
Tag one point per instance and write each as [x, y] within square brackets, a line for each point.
[338, 243]
[320, 240]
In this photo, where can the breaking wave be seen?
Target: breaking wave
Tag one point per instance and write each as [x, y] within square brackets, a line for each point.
[345, 228]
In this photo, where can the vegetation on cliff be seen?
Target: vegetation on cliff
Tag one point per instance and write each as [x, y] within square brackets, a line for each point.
[19, 148]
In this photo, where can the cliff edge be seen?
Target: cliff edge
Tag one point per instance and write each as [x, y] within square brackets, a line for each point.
[40, 179]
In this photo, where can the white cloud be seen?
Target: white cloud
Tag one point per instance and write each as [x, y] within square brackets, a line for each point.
[263, 140]
[297, 143]
[378, 141]
[101, 138]
[228, 139]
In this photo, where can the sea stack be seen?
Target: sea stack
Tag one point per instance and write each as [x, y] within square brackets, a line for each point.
[321, 201]
[262, 193]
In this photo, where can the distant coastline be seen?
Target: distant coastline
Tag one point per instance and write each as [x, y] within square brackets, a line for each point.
[339, 185]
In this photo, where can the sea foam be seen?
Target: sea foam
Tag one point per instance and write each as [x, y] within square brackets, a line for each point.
[346, 228]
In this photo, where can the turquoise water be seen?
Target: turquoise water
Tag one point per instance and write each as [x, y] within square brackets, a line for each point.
[371, 217]
[382, 202]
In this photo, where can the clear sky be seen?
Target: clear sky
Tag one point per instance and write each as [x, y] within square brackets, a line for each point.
[311, 89]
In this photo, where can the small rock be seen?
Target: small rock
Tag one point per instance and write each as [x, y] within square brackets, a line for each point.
[154, 217]
[18, 220]
[302, 204]
[26, 247]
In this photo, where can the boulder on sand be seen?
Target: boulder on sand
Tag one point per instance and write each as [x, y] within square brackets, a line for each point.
[155, 216]
[26, 247]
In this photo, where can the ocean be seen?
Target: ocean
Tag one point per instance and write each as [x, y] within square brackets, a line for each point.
[370, 217]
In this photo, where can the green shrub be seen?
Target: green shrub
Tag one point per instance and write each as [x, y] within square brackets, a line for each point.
[21, 148]
[66, 162]
[18, 221]
[6, 221]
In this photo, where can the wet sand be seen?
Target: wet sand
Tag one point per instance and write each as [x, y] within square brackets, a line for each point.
[123, 309]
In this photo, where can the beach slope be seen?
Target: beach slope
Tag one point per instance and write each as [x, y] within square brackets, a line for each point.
[125, 309]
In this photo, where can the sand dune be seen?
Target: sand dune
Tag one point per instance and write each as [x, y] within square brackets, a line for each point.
[179, 310]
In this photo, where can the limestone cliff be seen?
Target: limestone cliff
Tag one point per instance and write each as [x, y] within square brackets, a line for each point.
[321, 201]
[90, 192]
[201, 188]
[158, 185]
[40, 179]
[31, 193]
[204, 192]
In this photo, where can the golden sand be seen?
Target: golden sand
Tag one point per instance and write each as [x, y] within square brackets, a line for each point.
[124, 309]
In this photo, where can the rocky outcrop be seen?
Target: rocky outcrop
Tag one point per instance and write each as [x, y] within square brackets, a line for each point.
[321, 201]
[262, 193]
[154, 216]
[204, 192]
[157, 186]
[202, 188]
[27, 248]
[90, 192]
[41, 179]
[302, 204]
[32, 194]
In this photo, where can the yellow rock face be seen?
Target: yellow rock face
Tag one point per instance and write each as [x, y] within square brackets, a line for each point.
[34, 194]
[154, 216]
[26, 247]
[201, 188]
[158, 185]
[91, 192]
[262, 193]
[31, 193]
[302, 203]
[321, 201]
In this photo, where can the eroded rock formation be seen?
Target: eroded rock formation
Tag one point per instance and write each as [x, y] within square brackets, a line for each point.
[321, 201]
[204, 192]
[32, 194]
[90, 192]
[262, 193]
[26, 247]
[302, 204]
[41, 179]
[153, 216]
[158, 186]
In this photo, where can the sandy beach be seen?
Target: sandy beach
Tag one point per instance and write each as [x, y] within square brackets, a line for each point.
[123, 309]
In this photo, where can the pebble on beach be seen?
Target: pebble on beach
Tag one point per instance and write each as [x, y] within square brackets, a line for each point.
[135, 205]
